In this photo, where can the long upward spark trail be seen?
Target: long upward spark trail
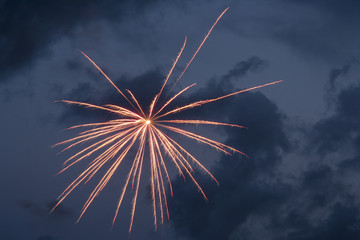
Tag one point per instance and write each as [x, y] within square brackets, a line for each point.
[110, 142]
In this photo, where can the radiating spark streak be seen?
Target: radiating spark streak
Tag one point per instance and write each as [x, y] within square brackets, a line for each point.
[192, 157]
[124, 111]
[153, 177]
[136, 194]
[95, 165]
[161, 139]
[169, 148]
[121, 110]
[102, 158]
[111, 82]
[162, 189]
[202, 102]
[219, 146]
[156, 98]
[172, 68]
[152, 105]
[92, 135]
[107, 142]
[142, 145]
[173, 98]
[136, 102]
[163, 164]
[142, 130]
[164, 193]
[111, 170]
[96, 149]
[183, 162]
[134, 166]
[198, 49]
[108, 129]
[86, 155]
[108, 175]
[111, 122]
[200, 122]
[137, 164]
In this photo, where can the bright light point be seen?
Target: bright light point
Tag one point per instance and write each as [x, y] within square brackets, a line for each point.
[148, 122]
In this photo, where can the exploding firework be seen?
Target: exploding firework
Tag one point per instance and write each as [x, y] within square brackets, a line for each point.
[143, 131]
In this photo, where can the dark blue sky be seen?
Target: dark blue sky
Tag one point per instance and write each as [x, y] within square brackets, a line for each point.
[302, 178]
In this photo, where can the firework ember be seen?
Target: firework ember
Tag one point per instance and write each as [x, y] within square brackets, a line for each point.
[142, 130]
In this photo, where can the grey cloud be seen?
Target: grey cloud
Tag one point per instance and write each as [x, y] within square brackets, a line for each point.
[240, 193]
[321, 29]
[348, 9]
[144, 87]
[336, 73]
[341, 223]
[29, 27]
[46, 237]
[44, 211]
[342, 128]
[318, 204]
[242, 68]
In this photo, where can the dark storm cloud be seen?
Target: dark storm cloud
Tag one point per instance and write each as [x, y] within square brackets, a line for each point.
[342, 223]
[40, 210]
[144, 87]
[326, 29]
[72, 65]
[341, 132]
[342, 128]
[27, 28]
[238, 194]
[345, 9]
[336, 73]
[319, 205]
[46, 237]
[242, 68]
[323, 183]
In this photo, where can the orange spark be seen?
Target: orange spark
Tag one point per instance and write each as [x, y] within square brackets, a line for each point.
[137, 129]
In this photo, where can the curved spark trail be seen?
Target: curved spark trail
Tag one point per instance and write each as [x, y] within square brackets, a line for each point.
[111, 142]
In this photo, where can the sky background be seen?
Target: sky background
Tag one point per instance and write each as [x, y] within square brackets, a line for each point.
[302, 178]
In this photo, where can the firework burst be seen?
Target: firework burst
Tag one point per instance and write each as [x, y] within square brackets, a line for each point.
[142, 130]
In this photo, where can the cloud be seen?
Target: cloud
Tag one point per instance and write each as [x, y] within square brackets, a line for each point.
[320, 29]
[46, 237]
[27, 28]
[342, 128]
[239, 194]
[144, 87]
[242, 68]
[44, 211]
[348, 9]
[260, 197]
[336, 73]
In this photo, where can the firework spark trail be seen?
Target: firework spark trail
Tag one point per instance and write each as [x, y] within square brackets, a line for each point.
[137, 129]
[198, 49]
[172, 68]
[202, 102]
[173, 98]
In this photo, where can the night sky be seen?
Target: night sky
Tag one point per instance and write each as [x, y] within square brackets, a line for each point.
[302, 178]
